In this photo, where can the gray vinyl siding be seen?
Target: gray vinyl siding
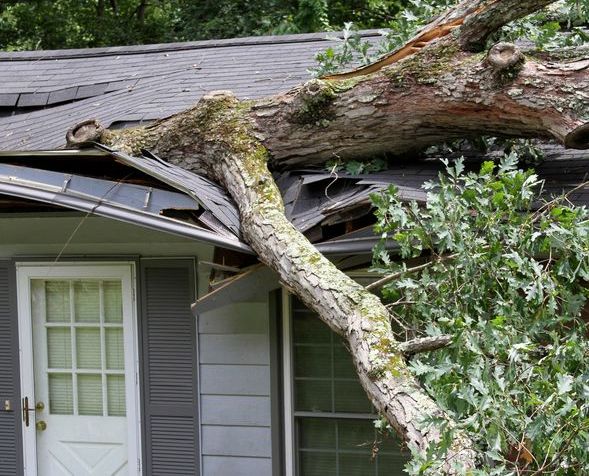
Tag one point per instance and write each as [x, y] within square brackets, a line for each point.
[170, 389]
[10, 429]
[235, 401]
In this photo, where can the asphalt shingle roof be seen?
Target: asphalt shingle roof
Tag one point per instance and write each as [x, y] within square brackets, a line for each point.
[46, 92]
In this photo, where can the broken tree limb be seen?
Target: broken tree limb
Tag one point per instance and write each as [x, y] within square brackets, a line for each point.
[437, 93]
[504, 56]
[425, 344]
[472, 21]
[492, 15]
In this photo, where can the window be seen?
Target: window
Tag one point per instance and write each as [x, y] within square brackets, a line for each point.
[333, 418]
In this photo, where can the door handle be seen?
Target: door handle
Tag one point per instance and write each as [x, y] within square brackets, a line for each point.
[40, 406]
[26, 410]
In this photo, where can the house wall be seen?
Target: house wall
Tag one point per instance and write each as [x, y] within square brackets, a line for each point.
[233, 341]
[234, 344]
[234, 387]
[70, 234]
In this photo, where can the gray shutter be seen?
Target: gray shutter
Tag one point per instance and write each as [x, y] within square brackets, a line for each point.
[169, 368]
[10, 430]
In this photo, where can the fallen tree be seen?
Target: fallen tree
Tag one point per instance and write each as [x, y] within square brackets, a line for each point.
[440, 85]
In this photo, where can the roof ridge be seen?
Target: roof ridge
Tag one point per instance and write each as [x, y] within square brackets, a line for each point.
[45, 55]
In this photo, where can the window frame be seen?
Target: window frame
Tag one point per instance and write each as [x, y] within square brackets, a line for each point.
[291, 450]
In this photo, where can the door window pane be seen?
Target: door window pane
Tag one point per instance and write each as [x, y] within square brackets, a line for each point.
[113, 302]
[90, 394]
[116, 395]
[115, 357]
[88, 348]
[59, 348]
[87, 301]
[61, 400]
[57, 301]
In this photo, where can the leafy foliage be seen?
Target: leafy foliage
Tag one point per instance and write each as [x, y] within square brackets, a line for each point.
[508, 278]
[45, 24]
[545, 28]
[563, 24]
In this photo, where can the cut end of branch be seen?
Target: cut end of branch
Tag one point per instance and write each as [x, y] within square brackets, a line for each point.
[83, 133]
[503, 56]
[578, 139]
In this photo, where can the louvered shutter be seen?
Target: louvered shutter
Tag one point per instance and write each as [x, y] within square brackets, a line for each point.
[10, 430]
[169, 368]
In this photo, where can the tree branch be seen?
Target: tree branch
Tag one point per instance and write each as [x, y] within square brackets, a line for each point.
[474, 20]
[393, 276]
[490, 16]
[437, 92]
[425, 344]
[219, 140]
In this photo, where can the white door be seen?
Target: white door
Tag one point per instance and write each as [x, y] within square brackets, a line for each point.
[78, 364]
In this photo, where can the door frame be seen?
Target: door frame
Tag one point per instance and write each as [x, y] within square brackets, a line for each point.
[124, 270]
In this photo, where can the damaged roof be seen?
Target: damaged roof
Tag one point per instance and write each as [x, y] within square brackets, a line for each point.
[42, 93]
[332, 209]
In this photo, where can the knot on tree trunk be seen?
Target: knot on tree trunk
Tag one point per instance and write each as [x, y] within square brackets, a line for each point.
[504, 56]
[83, 133]
[313, 103]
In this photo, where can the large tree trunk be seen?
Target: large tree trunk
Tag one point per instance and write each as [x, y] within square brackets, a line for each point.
[433, 90]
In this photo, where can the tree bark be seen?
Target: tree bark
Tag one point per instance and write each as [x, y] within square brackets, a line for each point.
[437, 92]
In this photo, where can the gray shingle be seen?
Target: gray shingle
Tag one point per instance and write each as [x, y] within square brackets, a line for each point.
[91, 90]
[32, 99]
[143, 83]
[8, 99]
[62, 95]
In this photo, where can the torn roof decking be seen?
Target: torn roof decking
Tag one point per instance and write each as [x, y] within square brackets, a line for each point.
[209, 194]
[319, 198]
[50, 90]
[194, 198]
[312, 198]
[140, 205]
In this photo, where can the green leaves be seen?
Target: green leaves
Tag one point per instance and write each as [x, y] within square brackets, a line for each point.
[507, 277]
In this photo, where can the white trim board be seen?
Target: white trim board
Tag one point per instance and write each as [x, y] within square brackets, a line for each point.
[289, 460]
